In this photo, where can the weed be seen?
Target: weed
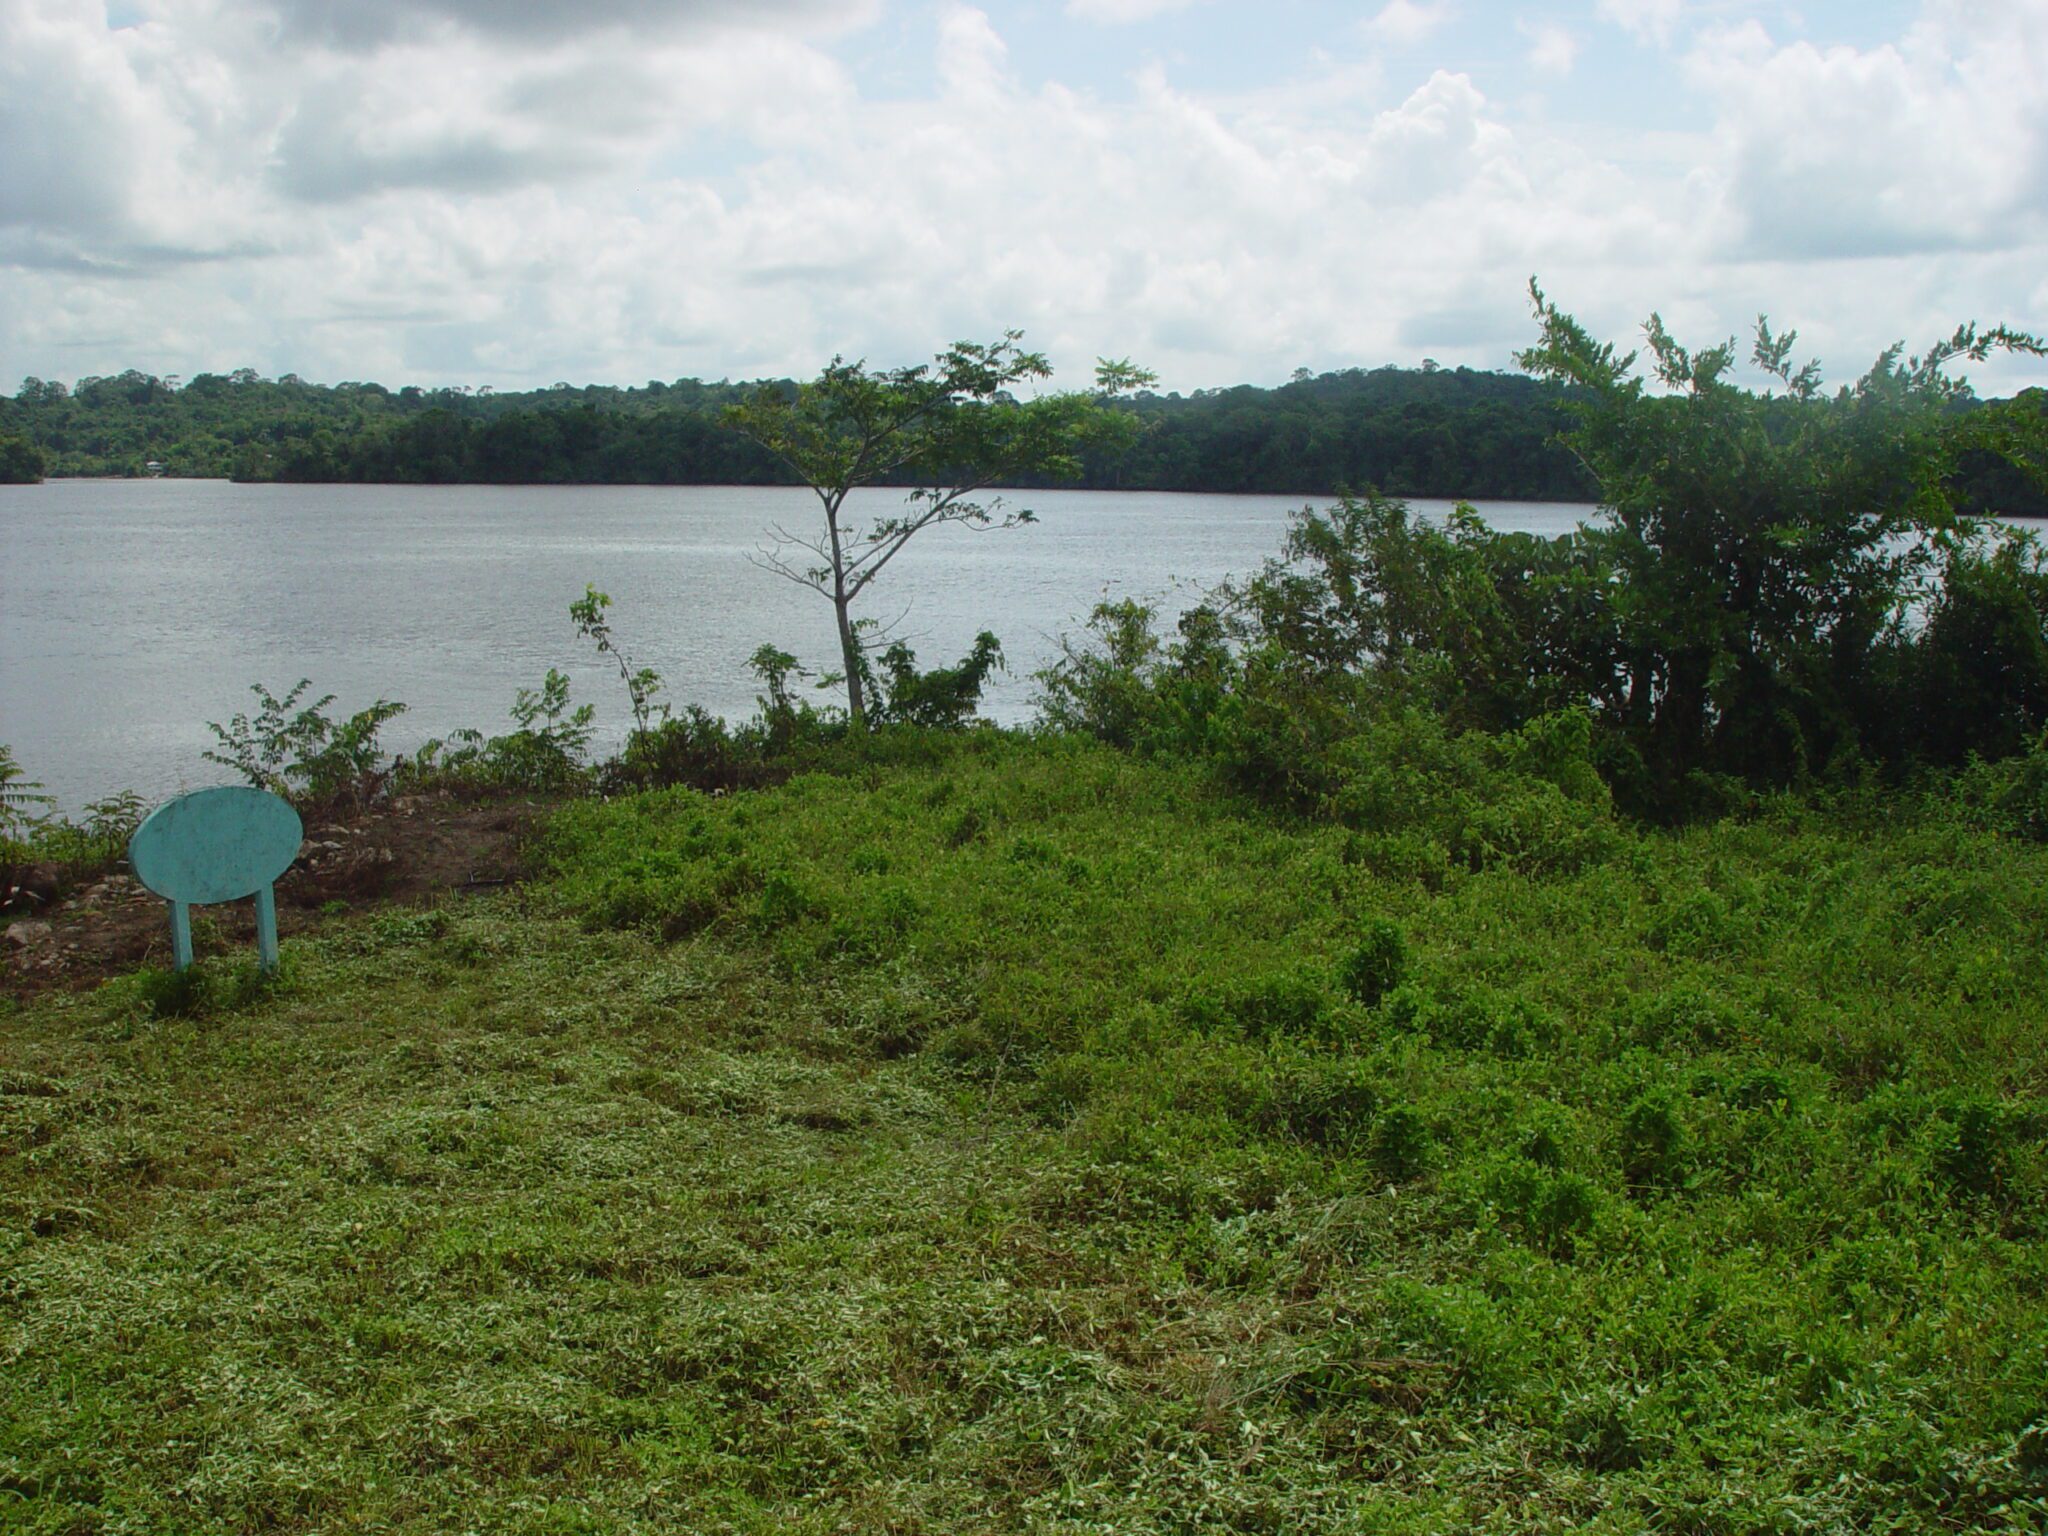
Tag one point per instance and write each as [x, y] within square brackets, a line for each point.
[1377, 963]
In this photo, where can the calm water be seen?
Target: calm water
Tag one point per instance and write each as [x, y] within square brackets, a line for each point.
[133, 612]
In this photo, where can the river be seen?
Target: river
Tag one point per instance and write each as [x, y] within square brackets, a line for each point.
[134, 611]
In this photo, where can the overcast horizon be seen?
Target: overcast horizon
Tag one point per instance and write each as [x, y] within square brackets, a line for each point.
[512, 193]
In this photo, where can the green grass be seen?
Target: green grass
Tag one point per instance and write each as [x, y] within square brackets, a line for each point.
[1035, 1140]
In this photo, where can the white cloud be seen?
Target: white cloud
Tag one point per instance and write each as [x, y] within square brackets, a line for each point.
[494, 201]
[1935, 143]
[1123, 12]
[1552, 50]
[1404, 23]
[372, 24]
[1650, 21]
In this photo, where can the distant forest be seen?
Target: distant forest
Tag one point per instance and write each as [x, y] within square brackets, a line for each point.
[1427, 432]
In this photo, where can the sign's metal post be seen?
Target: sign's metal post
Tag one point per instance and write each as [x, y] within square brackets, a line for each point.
[266, 928]
[181, 934]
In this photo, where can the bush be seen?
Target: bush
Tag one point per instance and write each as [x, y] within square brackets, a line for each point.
[1550, 1209]
[544, 755]
[299, 752]
[1982, 659]
[1401, 1144]
[2009, 797]
[1481, 800]
[21, 461]
[1280, 1005]
[1655, 1147]
[1376, 964]
[694, 749]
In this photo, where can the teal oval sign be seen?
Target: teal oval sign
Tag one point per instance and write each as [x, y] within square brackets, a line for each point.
[215, 844]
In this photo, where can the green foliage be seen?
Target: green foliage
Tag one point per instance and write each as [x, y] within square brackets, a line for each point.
[1782, 591]
[1655, 1146]
[2009, 796]
[1401, 1144]
[206, 989]
[1376, 964]
[1764, 548]
[19, 796]
[941, 699]
[1981, 664]
[300, 752]
[42, 855]
[1445, 433]
[21, 461]
[545, 754]
[696, 749]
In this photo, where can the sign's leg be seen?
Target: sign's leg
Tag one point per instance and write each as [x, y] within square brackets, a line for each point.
[266, 928]
[181, 935]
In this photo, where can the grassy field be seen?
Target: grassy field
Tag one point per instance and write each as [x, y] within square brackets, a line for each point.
[1035, 1139]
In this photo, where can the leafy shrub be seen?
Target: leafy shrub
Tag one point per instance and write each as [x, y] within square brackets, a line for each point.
[1684, 1016]
[1975, 1146]
[696, 749]
[19, 796]
[667, 893]
[964, 826]
[210, 986]
[544, 755]
[642, 683]
[1475, 797]
[1599, 1430]
[1104, 686]
[782, 902]
[299, 752]
[1376, 964]
[1279, 1005]
[1327, 1102]
[171, 994]
[1696, 923]
[1982, 657]
[2010, 796]
[41, 855]
[1123, 686]
[1401, 1145]
[1656, 1149]
[1473, 1017]
[1550, 1208]
[941, 699]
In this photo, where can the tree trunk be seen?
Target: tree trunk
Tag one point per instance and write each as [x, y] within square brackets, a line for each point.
[849, 643]
[849, 656]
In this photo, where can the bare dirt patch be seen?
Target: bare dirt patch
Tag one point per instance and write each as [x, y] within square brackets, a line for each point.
[415, 849]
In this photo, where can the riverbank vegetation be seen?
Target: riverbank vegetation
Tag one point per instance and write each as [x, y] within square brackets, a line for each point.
[1440, 432]
[1466, 1032]
[21, 461]
[1421, 432]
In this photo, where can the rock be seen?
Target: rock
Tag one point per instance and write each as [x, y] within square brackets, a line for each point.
[27, 935]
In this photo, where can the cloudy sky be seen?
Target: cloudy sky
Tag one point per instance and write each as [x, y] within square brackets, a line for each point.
[513, 192]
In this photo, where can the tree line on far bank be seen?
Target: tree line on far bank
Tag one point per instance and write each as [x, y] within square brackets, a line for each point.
[1411, 431]
[1424, 432]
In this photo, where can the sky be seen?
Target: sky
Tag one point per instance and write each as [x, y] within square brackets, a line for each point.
[517, 192]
